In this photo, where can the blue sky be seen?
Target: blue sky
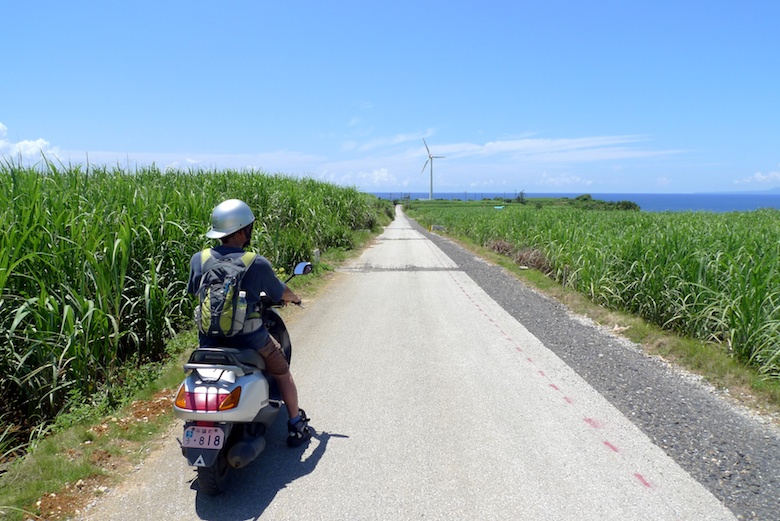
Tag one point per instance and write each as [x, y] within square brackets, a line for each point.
[557, 96]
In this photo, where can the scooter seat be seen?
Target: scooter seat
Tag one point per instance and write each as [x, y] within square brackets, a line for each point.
[250, 357]
[226, 356]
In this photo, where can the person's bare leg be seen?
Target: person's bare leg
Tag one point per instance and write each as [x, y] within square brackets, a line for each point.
[297, 433]
[289, 392]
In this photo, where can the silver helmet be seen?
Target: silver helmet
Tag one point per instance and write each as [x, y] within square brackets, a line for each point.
[228, 217]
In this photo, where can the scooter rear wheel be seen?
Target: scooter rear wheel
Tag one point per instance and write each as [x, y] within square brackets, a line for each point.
[213, 480]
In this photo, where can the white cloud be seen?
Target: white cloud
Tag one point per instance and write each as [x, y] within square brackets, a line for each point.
[598, 148]
[394, 162]
[758, 177]
[378, 178]
[26, 149]
[486, 184]
[563, 180]
[391, 141]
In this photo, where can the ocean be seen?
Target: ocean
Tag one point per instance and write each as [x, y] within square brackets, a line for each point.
[706, 202]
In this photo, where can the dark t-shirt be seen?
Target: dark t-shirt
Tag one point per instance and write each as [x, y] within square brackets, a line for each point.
[259, 277]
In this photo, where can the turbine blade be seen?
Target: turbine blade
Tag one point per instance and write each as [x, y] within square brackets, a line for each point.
[426, 148]
[426, 164]
[438, 157]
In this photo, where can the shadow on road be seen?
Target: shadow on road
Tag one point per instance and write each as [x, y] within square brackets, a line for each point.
[253, 488]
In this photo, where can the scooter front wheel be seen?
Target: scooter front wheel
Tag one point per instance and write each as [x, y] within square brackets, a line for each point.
[213, 480]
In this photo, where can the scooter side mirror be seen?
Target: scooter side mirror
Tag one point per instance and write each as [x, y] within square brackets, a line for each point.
[302, 268]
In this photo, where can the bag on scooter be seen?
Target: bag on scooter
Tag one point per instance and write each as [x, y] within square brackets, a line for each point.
[222, 302]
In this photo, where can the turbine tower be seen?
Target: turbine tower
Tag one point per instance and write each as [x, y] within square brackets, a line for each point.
[430, 159]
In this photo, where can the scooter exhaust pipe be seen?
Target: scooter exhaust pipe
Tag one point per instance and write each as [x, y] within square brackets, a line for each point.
[245, 451]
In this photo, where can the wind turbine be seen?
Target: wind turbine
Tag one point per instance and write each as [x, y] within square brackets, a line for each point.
[430, 159]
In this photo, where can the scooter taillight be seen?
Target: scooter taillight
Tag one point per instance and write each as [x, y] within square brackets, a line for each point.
[208, 399]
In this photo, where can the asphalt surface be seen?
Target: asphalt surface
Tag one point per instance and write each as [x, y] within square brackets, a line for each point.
[441, 388]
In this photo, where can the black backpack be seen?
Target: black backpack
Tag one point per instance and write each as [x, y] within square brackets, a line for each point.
[222, 302]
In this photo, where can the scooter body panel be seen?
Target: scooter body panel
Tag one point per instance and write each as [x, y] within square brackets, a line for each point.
[204, 395]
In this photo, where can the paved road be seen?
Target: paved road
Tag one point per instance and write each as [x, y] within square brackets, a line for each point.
[431, 402]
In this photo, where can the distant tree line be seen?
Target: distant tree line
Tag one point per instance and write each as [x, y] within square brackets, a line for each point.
[587, 202]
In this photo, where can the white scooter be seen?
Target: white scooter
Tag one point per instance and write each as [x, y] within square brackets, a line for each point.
[228, 403]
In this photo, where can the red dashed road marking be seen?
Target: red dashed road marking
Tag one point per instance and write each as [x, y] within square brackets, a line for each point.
[642, 479]
[590, 421]
[593, 423]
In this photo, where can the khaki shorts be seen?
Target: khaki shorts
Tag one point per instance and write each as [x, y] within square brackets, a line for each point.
[275, 361]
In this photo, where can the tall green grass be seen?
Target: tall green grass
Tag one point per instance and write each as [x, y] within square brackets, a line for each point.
[712, 276]
[94, 261]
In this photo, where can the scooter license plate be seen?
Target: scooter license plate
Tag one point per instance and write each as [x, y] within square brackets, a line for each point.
[203, 438]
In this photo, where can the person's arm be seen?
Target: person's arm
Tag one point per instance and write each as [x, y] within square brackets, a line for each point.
[289, 296]
[268, 281]
[193, 281]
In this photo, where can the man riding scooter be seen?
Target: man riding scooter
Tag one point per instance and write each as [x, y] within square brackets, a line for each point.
[231, 223]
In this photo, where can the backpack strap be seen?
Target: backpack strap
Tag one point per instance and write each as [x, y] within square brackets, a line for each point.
[246, 259]
[205, 255]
